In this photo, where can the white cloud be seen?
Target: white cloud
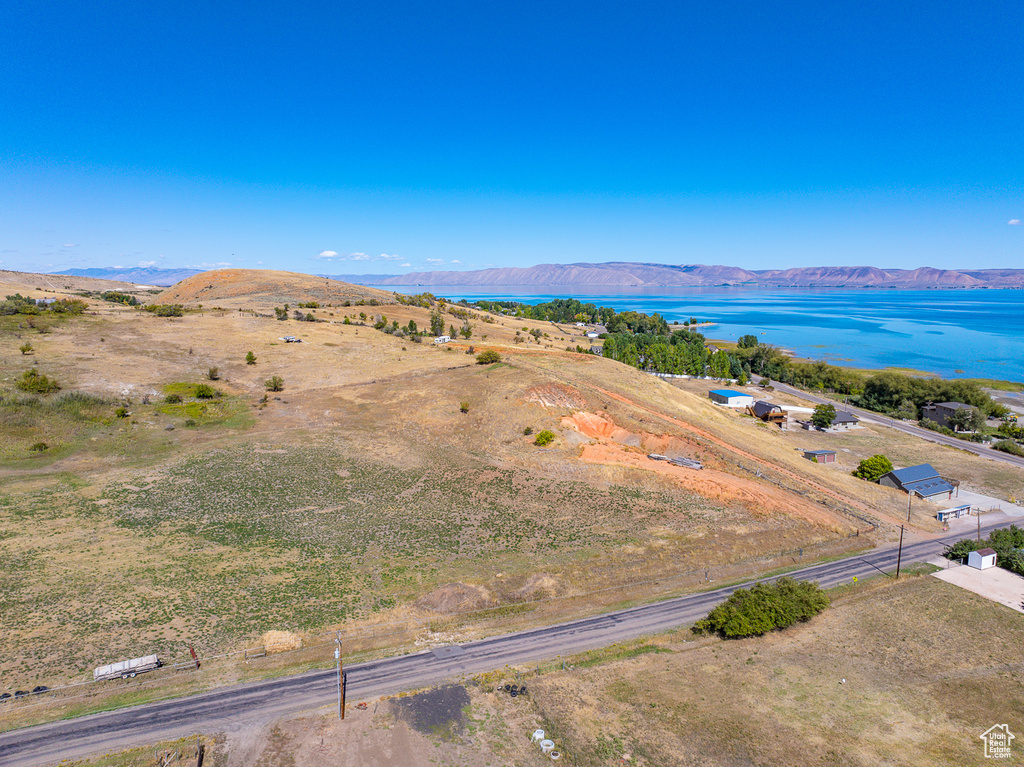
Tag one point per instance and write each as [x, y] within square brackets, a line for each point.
[70, 245]
[456, 261]
[405, 266]
[259, 263]
[435, 261]
[357, 257]
[1014, 222]
[147, 263]
[386, 257]
[204, 265]
[327, 254]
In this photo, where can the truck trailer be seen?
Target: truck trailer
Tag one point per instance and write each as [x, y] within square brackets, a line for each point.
[127, 668]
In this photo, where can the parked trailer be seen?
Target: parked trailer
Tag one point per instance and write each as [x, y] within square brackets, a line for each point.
[127, 668]
[689, 463]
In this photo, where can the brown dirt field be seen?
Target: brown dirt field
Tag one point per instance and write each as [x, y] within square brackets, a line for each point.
[266, 288]
[758, 498]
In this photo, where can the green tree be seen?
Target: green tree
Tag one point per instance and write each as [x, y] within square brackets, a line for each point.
[748, 341]
[26, 348]
[436, 324]
[544, 438]
[872, 468]
[205, 391]
[763, 608]
[250, 359]
[966, 419]
[823, 415]
[274, 383]
[488, 357]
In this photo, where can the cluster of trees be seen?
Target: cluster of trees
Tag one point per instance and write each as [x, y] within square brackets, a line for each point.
[1008, 544]
[764, 607]
[117, 297]
[19, 304]
[559, 310]
[682, 352]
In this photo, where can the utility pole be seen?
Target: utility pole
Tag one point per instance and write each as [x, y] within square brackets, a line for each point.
[979, 524]
[899, 557]
[910, 499]
[341, 693]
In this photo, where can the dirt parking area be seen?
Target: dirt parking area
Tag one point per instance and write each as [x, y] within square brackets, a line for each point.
[994, 583]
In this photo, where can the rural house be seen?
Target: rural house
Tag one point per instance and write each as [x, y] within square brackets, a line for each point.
[941, 411]
[923, 481]
[768, 412]
[730, 398]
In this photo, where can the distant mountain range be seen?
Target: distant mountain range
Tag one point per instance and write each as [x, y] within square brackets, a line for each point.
[138, 275]
[627, 274]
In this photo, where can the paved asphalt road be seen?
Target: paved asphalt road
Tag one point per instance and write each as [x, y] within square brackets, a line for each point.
[229, 708]
[907, 428]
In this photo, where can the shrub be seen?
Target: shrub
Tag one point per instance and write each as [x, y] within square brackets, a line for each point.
[528, 431]
[463, 407]
[172, 399]
[33, 381]
[763, 608]
[1009, 446]
[488, 357]
[205, 391]
[121, 412]
[545, 438]
[166, 310]
[39, 447]
[250, 359]
[274, 383]
[213, 374]
[872, 468]
[26, 348]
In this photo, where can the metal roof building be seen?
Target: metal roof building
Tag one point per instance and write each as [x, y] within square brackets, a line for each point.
[922, 480]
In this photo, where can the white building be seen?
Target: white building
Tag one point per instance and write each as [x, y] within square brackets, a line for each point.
[982, 559]
[442, 339]
[730, 398]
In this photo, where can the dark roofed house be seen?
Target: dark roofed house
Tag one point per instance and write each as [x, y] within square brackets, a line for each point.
[923, 481]
[768, 412]
[844, 420]
[940, 412]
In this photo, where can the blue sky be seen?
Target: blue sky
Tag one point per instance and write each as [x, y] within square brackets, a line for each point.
[408, 136]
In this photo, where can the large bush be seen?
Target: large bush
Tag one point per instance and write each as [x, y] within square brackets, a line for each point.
[763, 608]
[488, 357]
[37, 383]
[874, 467]
[1009, 446]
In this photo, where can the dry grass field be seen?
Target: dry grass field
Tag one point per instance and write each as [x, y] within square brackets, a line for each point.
[893, 673]
[361, 491]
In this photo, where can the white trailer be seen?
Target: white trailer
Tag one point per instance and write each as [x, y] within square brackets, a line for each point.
[127, 668]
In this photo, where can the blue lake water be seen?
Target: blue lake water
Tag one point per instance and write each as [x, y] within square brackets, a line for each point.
[953, 333]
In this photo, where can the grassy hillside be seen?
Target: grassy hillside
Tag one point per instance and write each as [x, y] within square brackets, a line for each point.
[386, 478]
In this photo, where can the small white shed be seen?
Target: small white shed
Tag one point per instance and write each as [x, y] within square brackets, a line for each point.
[982, 559]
